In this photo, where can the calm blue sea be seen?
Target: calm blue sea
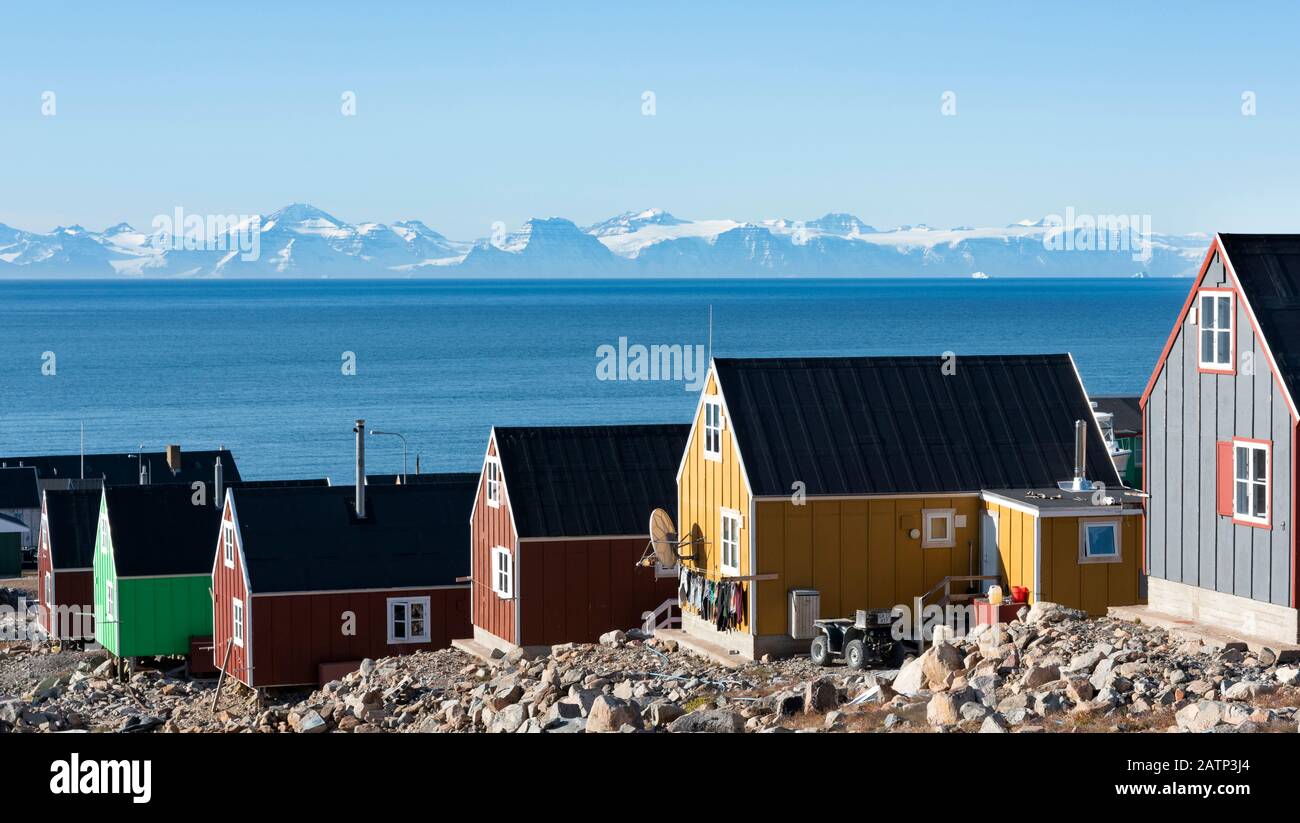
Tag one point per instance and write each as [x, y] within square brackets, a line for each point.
[256, 366]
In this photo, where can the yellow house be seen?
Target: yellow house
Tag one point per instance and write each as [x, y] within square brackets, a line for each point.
[869, 480]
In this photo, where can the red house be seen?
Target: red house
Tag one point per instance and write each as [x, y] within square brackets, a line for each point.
[309, 581]
[64, 563]
[561, 517]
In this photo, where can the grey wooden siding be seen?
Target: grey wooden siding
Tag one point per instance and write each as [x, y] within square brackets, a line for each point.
[1188, 412]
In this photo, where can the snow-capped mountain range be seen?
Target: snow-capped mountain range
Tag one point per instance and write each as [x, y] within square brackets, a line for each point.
[301, 241]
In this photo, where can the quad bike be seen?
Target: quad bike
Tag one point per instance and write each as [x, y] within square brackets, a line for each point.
[860, 641]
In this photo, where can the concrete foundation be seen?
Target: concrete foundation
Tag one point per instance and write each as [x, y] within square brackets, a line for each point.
[1228, 612]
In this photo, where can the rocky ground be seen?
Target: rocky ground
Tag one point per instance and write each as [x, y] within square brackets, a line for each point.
[1052, 670]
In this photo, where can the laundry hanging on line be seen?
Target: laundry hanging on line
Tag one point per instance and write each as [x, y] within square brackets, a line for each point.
[721, 602]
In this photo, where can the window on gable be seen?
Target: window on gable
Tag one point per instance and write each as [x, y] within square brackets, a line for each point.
[729, 556]
[408, 620]
[49, 589]
[938, 528]
[1251, 481]
[503, 573]
[713, 428]
[237, 621]
[493, 472]
[1099, 541]
[228, 545]
[1215, 318]
[110, 606]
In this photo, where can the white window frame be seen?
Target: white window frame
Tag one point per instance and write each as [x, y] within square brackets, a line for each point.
[103, 535]
[492, 476]
[1084, 554]
[110, 604]
[730, 524]
[228, 545]
[49, 589]
[930, 515]
[503, 572]
[1210, 324]
[713, 428]
[1251, 447]
[407, 603]
[237, 626]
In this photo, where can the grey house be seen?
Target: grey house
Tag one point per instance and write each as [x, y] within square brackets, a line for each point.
[1221, 431]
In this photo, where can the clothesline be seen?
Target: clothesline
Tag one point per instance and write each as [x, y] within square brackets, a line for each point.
[721, 602]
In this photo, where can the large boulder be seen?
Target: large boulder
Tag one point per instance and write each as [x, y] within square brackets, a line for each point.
[508, 719]
[911, 677]
[1200, 716]
[714, 721]
[939, 662]
[942, 710]
[610, 714]
[821, 696]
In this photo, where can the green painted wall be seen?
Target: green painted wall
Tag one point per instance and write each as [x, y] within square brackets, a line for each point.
[154, 615]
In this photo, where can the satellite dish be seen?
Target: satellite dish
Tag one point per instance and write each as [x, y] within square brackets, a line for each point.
[663, 538]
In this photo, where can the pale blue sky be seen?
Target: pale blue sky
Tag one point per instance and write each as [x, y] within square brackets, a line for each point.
[477, 112]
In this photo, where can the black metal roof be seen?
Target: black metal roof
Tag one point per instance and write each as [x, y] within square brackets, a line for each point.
[74, 521]
[1126, 411]
[160, 530]
[18, 489]
[903, 425]
[589, 481]
[308, 539]
[1268, 268]
[124, 469]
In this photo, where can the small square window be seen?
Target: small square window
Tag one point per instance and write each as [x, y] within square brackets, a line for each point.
[1099, 541]
[938, 528]
[407, 620]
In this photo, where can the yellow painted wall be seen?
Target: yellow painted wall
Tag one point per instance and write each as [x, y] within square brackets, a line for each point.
[856, 553]
[1015, 548]
[706, 487]
[1091, 587]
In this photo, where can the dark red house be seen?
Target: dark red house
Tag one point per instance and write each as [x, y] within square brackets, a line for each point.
[561, 516]
[65, 554]
[309, 581]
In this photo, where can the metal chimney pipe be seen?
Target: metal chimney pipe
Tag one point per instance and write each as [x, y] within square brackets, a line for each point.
[1080, 452]
[360, 429]
[219, 482]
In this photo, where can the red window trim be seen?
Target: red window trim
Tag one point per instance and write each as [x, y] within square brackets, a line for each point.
[1200, 326]
[1268, 524]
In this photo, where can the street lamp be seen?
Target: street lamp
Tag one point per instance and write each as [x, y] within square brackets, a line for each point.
[403, 439]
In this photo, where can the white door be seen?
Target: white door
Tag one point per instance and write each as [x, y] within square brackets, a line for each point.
[989, 564]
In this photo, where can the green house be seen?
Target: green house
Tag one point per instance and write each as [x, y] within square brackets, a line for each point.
[153, 569]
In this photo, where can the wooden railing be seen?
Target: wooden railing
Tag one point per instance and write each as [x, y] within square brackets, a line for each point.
[918, 603]
[662, 617]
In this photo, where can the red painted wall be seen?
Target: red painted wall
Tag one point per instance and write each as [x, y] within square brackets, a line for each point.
[491, 527]
[71, 588]
[227, 584]
[573, 591]
[292, 635]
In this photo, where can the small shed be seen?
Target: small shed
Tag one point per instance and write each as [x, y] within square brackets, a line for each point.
[20, 500]
[306, 584]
